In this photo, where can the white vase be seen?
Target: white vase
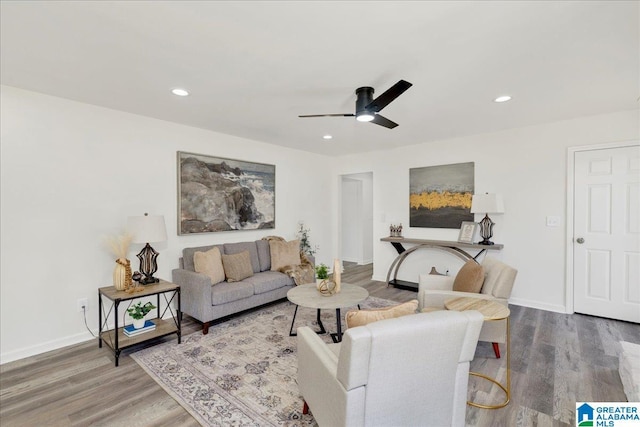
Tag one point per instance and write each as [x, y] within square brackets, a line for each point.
[138, 323]
[336, 274]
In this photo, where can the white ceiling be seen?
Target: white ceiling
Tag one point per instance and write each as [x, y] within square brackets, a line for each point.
[252, 67]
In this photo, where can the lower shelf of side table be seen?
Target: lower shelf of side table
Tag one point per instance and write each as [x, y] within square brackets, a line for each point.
[163, 327]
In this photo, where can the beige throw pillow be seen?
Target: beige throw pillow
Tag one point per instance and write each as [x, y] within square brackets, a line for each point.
[284, 254]
[362, 317]
[209, 263]
[237, 266]
[470, 278]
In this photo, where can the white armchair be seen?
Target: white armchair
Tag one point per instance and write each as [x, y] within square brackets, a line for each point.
[408, 371]
[434, 290]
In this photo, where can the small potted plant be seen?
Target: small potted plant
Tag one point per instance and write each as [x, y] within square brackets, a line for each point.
[322, 272]
[138, 311]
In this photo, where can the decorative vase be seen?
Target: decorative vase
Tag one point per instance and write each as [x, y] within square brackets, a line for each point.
[122, 274]
[336, 274]
[138, 323]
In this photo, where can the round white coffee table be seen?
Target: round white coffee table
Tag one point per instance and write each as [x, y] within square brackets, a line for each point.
[309, 296]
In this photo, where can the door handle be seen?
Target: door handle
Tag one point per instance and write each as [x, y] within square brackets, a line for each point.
[580, 240]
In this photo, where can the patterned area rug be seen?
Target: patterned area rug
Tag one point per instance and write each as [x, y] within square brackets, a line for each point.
[243, 373]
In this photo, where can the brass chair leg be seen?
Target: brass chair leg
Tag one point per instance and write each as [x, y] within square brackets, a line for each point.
[506, 388]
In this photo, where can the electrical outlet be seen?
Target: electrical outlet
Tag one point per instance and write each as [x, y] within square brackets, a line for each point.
[82, 302]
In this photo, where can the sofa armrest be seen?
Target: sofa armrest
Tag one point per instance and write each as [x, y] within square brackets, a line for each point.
[436, 298]
[319, 386]
[432, 282]
[315, 353]
[195, 292]
[435, 282]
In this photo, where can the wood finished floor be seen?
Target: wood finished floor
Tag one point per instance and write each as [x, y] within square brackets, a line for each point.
[557, 360]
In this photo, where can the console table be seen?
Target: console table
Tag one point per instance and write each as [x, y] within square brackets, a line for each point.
[116, 338]
[454, 248]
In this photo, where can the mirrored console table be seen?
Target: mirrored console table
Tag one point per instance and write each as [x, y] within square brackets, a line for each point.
[455, 248]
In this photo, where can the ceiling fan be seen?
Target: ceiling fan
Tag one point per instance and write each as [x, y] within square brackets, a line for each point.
[367, 108]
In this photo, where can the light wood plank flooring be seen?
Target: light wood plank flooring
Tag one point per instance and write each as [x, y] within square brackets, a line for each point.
[557, 359]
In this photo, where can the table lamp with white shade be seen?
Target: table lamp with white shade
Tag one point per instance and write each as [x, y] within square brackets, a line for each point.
[486, 204]
[146, 229]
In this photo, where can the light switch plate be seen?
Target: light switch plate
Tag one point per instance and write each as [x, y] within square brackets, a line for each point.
[553, 221]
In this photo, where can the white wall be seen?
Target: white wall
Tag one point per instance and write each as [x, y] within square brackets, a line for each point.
[526, 165]
[72, 173]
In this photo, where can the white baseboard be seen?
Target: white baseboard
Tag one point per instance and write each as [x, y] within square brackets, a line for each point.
[379, 279]
[358, 261]
[14, 355]
[11, 356]
[540, 306]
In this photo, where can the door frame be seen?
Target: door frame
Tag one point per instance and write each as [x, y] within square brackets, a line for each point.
[571, 151]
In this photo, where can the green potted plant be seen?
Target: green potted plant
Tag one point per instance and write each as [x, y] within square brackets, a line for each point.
[305, 242]
[138, 311]
[322, 272]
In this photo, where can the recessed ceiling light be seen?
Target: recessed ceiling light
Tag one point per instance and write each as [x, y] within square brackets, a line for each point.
[503, 98]
[327, 136]
[180, 92]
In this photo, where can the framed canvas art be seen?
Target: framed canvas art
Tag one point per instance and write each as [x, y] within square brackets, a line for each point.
[440, 196]
[219, 194]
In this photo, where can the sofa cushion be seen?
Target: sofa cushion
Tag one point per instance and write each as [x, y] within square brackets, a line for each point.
[187, 255]
[470, 278]
[209, 263]
[355, 318]
[284, 253]
[226, 292]
[264, 254]
[237, 266]
[235, 248]
[268, 281]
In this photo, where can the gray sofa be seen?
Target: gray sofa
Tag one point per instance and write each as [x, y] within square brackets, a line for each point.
[206, 302]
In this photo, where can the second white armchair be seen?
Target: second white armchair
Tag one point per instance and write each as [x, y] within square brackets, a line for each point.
[434, 290]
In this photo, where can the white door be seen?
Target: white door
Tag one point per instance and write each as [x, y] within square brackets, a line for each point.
[606, 234]
[351, 220]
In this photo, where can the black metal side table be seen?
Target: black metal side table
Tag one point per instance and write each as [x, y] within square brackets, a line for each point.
[115, 338]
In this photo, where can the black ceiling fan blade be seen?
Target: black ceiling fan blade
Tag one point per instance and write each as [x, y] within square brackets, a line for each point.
[383, 121]
[328, 115]
[389, 95]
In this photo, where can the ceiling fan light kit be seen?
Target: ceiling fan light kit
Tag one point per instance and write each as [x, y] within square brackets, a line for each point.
[367, 108]
[364, 116]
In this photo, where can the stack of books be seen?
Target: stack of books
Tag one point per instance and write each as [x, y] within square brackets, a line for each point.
[130, 331]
